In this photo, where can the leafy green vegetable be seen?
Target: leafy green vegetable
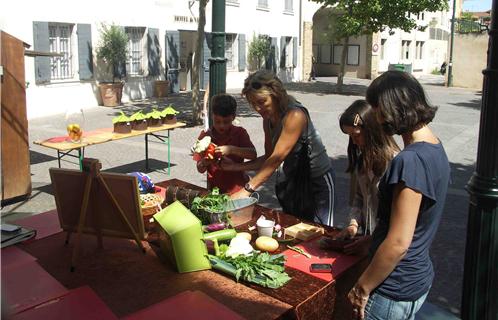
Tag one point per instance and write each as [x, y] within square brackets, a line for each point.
[169, 110]
[154, 114]
[212, 204]
[121, 118]
[260, 268]
[137, 116]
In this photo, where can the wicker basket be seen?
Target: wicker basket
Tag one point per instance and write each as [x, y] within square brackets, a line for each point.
[151, 204]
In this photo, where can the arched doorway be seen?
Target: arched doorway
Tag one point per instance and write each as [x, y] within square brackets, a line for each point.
[327, 51]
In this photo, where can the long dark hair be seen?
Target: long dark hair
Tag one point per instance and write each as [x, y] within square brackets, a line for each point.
[402, 102]
[379, 148]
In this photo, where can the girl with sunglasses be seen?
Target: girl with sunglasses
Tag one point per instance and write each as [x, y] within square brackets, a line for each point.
[369, 153]
[288, 129]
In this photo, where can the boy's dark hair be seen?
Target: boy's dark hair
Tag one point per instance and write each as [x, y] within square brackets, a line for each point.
[224, 105]
[401, 100]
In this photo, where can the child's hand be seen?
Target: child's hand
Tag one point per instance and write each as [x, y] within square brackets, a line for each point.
[224, 150]
[204, 163]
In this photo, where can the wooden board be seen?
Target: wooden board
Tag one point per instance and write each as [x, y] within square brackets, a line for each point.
[69, 187]
[15, 164]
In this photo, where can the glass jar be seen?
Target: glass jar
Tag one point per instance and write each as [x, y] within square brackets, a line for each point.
[75, 121]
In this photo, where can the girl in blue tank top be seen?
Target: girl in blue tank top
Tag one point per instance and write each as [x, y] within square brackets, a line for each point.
[412, 193]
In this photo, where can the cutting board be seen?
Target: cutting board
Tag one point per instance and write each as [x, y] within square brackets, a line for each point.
[304, 231]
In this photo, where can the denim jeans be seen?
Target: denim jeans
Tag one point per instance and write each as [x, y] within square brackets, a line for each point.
[381, 308]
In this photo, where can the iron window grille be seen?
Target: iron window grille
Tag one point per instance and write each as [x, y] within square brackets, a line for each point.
[60, 42]
[134, 62]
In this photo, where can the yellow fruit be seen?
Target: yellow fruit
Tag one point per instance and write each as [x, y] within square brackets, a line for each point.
[264, 243]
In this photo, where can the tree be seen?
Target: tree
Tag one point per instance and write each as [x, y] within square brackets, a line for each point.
[113, 49]
[353, 18]
[196, 66]
[259, 49]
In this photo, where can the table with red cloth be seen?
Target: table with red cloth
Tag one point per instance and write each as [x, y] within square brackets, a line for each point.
[132, 284]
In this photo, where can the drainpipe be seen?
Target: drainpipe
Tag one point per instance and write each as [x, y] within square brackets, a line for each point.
[480, 276]
[450, 62]
[217, 62]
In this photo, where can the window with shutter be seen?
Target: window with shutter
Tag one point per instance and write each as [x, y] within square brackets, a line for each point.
[134, 62]
[60, 41]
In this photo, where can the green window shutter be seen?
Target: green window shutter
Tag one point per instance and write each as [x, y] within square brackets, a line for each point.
[172, 44]
[282, 52]
[85, 55]
[242, 52]
[40, 43]
[294, 52]
[153, 52]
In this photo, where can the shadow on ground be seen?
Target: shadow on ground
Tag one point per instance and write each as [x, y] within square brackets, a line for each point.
[475, 103]
[322, 88]
[37, 157]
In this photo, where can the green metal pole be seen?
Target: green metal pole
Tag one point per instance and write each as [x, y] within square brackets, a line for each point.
[450, 62]
[480, 281]
[217, 62]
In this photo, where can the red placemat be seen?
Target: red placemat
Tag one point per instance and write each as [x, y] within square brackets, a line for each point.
[28, 285]
[186, 305]
[13, 256]
[340, 262]
[78, 304]
[45, 224]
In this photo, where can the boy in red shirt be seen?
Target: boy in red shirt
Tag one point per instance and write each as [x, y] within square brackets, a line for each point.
[232, 142]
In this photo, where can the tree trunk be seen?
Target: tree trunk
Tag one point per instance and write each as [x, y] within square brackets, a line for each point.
[340, 77]
[196, 66]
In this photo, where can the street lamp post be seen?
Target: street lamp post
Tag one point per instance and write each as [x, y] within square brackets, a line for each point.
[480, 281]
[217, 62]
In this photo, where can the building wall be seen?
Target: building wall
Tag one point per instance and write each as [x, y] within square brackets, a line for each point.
[242, 17]
[378, 51]
[469, 59]
[327, 58]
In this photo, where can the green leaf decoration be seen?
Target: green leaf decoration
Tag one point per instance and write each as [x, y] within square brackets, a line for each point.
[154, 114]
[169, 110]
[121, 118]
[137, 116]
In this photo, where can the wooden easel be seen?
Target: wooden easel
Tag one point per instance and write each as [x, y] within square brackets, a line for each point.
[91, 169]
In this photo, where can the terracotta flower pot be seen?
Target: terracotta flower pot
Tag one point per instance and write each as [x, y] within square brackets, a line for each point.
[169, 119]
[139, 125]
[151, 122]
[161, 88]
[111, 94]
[122, 127]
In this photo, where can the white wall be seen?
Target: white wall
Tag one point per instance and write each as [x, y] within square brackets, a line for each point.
[434, 51]
[57, 96]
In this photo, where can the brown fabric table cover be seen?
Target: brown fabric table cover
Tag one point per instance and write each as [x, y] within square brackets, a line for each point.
[128, 281]
[311, 298]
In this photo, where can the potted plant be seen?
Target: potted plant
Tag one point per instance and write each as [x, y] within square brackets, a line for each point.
[154, 118]
[138, 121]
[169, 115]
[121, 123]
[113, 50]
